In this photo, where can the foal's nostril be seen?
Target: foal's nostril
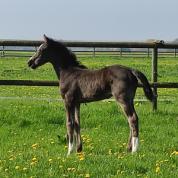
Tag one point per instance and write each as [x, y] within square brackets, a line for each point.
[30, 62]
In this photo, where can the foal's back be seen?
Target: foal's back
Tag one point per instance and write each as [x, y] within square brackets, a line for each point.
[91, 85]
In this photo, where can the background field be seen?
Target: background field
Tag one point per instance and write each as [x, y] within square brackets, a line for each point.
[32, 127]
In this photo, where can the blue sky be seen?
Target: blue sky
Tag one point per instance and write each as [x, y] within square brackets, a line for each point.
[93, 20]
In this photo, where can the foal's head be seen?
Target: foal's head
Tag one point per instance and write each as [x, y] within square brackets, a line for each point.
[43, 55]
[56, 53]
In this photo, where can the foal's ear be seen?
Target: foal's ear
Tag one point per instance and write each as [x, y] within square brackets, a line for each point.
[46, 39]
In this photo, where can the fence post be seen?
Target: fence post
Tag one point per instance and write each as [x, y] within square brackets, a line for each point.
[175, 51]
[120, 52]
[155, 74]
[94, 52]
[148, 53]
[3, 52]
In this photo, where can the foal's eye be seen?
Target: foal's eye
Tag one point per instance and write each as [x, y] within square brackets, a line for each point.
[39, 50]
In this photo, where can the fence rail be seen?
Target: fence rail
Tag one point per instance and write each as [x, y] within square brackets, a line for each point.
[92, 52]
[56, 83]
[121, 51]
[147, 45]
[96, 44]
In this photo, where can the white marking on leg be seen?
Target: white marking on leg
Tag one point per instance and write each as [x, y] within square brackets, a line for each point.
[134, 144]
[72, 146]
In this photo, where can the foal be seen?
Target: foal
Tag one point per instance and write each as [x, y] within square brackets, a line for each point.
[81, 85]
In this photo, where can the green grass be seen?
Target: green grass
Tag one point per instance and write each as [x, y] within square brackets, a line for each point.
[32, 128]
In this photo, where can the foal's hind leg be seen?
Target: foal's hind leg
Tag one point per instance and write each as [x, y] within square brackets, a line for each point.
[77, 128]
[131, 114]
[128, 107]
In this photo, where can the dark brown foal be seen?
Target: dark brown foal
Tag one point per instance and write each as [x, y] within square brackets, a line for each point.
[81, 85]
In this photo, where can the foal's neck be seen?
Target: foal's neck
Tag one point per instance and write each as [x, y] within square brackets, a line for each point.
[60, 71]
[65, 68]
[57, 70]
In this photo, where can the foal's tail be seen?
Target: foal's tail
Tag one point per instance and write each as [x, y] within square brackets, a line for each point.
[146, 86]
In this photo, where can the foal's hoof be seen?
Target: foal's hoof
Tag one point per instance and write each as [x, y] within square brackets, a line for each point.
[129, 148]
[79, 149]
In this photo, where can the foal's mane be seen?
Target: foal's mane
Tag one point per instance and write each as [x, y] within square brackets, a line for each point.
[68, 58]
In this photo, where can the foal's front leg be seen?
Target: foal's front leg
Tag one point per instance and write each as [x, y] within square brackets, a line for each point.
[70, 117]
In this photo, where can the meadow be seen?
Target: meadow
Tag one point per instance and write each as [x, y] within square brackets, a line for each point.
[32, 127]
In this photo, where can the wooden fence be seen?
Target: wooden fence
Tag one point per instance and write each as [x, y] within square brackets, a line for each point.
[149, 45]
[88, 48]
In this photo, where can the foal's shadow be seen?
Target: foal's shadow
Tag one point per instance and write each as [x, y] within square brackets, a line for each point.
[62, 139]
[54, 121]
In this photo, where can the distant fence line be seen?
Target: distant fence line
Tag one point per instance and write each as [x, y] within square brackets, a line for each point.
[116, 48]
[122, 52]
[154, 46]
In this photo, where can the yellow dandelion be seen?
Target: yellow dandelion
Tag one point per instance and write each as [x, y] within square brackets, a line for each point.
[81, 156]
[139, 175]
[122, 172]
[17, 167]
[63, 160]
[88, 140]
[110, 151]
[173, 166]
[87, 175]
[24, 169]
[157, 164]
[174, 153]
[34, 159]
[157, 169]
[33, 163]
[50, 160]
[71, 169]
[6, 170]
[81, 159]
[34, 146]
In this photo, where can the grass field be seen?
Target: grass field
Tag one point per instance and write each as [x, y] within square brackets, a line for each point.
[32, 127]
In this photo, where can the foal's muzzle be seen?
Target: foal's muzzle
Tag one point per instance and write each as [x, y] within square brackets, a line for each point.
[31, 63]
